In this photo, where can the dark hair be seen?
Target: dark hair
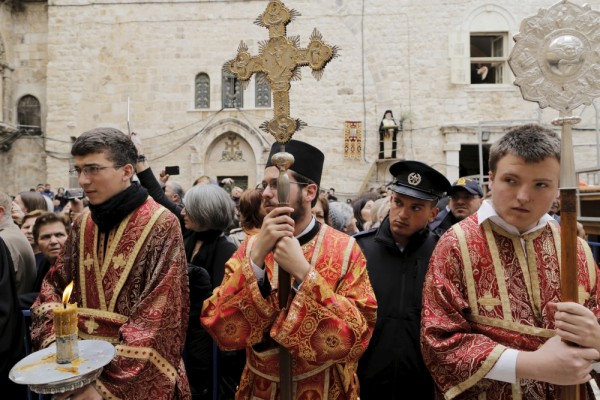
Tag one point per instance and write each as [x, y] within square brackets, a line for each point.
[359, 204]
[252, 212]
[117, 146]
[533, 143]
[302, 179]
[325, 205]
[34, 201]
[50, 218]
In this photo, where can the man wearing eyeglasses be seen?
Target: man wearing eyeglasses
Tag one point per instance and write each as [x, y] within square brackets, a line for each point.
[464, 199]
[331, 311]
[126, 257]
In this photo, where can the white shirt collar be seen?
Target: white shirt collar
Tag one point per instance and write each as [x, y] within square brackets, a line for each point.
[487, 211]
[310, 225]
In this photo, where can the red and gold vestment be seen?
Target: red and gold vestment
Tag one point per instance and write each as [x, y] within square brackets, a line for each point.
[326, 326]
[487, 290]
[132, 292]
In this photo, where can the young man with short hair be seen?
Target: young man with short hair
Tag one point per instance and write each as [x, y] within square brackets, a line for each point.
[493, 323]
[126, 257]
[397, 256]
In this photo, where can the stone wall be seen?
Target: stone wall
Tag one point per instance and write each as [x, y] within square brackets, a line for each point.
[394, 55]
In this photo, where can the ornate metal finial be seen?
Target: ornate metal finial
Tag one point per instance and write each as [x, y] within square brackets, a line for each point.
[556, 58]
[280, 58]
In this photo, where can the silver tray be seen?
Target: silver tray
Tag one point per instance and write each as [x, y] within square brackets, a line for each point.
[40, 371]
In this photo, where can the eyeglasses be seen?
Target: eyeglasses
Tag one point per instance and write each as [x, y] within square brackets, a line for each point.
[90, 170]
[273, 185]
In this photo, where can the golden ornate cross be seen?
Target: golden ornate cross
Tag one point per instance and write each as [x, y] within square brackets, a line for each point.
[280, 60]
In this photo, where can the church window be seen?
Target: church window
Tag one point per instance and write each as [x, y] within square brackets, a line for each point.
[29, 115]
[263, 91]
[479, 48]
[488, 58]
[233, 94]
[202, 91]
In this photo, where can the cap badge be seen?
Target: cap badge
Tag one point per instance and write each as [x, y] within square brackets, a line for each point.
[414, 178]
[461, 182]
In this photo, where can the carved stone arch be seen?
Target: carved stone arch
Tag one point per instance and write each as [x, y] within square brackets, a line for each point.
[508, 21]
[207, 151]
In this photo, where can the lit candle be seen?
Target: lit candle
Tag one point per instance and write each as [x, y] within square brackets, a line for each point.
[65, 329]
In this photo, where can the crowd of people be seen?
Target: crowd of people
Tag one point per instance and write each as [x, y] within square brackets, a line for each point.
[419, 285]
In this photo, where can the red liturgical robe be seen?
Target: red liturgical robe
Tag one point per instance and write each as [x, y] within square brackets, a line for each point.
[487, 290]
[326, 327]
[133, 293]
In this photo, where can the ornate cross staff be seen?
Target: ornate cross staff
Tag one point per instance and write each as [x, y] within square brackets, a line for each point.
[280, 59]
[556, 62]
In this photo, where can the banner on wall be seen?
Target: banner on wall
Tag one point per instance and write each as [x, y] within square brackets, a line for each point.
[352, 140]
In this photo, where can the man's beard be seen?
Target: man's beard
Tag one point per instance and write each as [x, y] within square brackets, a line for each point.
[299, 207]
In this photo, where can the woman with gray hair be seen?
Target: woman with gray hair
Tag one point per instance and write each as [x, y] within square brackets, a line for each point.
[208, 211]
[341, 217]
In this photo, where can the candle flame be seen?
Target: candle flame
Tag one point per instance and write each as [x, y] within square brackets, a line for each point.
[67, 293]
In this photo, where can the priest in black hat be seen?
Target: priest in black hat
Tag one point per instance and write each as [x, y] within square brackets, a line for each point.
[332, 310]
[397, 254]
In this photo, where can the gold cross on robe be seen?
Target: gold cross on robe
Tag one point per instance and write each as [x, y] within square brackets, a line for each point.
[280, 60]
[119, 262]
[91, 325]
[89, 262]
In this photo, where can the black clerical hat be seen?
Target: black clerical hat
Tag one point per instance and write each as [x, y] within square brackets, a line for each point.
[419, 180]
[308, 160]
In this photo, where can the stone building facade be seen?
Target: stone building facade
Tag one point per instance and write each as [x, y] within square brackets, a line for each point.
[91, 63]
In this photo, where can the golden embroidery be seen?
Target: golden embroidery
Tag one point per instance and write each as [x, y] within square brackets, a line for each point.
[489, 302]
[133, 253]
[487, 365]
[91, 325]
[583, 295]
[512, 326]
[82, 259]
[498, 269]
[147, 353]
[470, 281]
[89, 262]
[114, 242]
[118, 262]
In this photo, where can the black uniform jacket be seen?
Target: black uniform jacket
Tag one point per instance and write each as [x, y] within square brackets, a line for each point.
[392, 365]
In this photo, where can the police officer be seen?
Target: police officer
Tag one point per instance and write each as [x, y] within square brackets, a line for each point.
[465, 198]
[397, 256]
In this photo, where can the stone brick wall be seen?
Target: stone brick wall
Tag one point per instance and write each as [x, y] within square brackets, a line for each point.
[84, 60]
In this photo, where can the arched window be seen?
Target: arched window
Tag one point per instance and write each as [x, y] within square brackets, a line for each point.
[29, 115]
[233, 94]
[202, 91]
[479, 48]
[263, 91]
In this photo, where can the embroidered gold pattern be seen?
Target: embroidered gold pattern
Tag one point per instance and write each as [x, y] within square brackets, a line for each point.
[489, 302]
[147, 353]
